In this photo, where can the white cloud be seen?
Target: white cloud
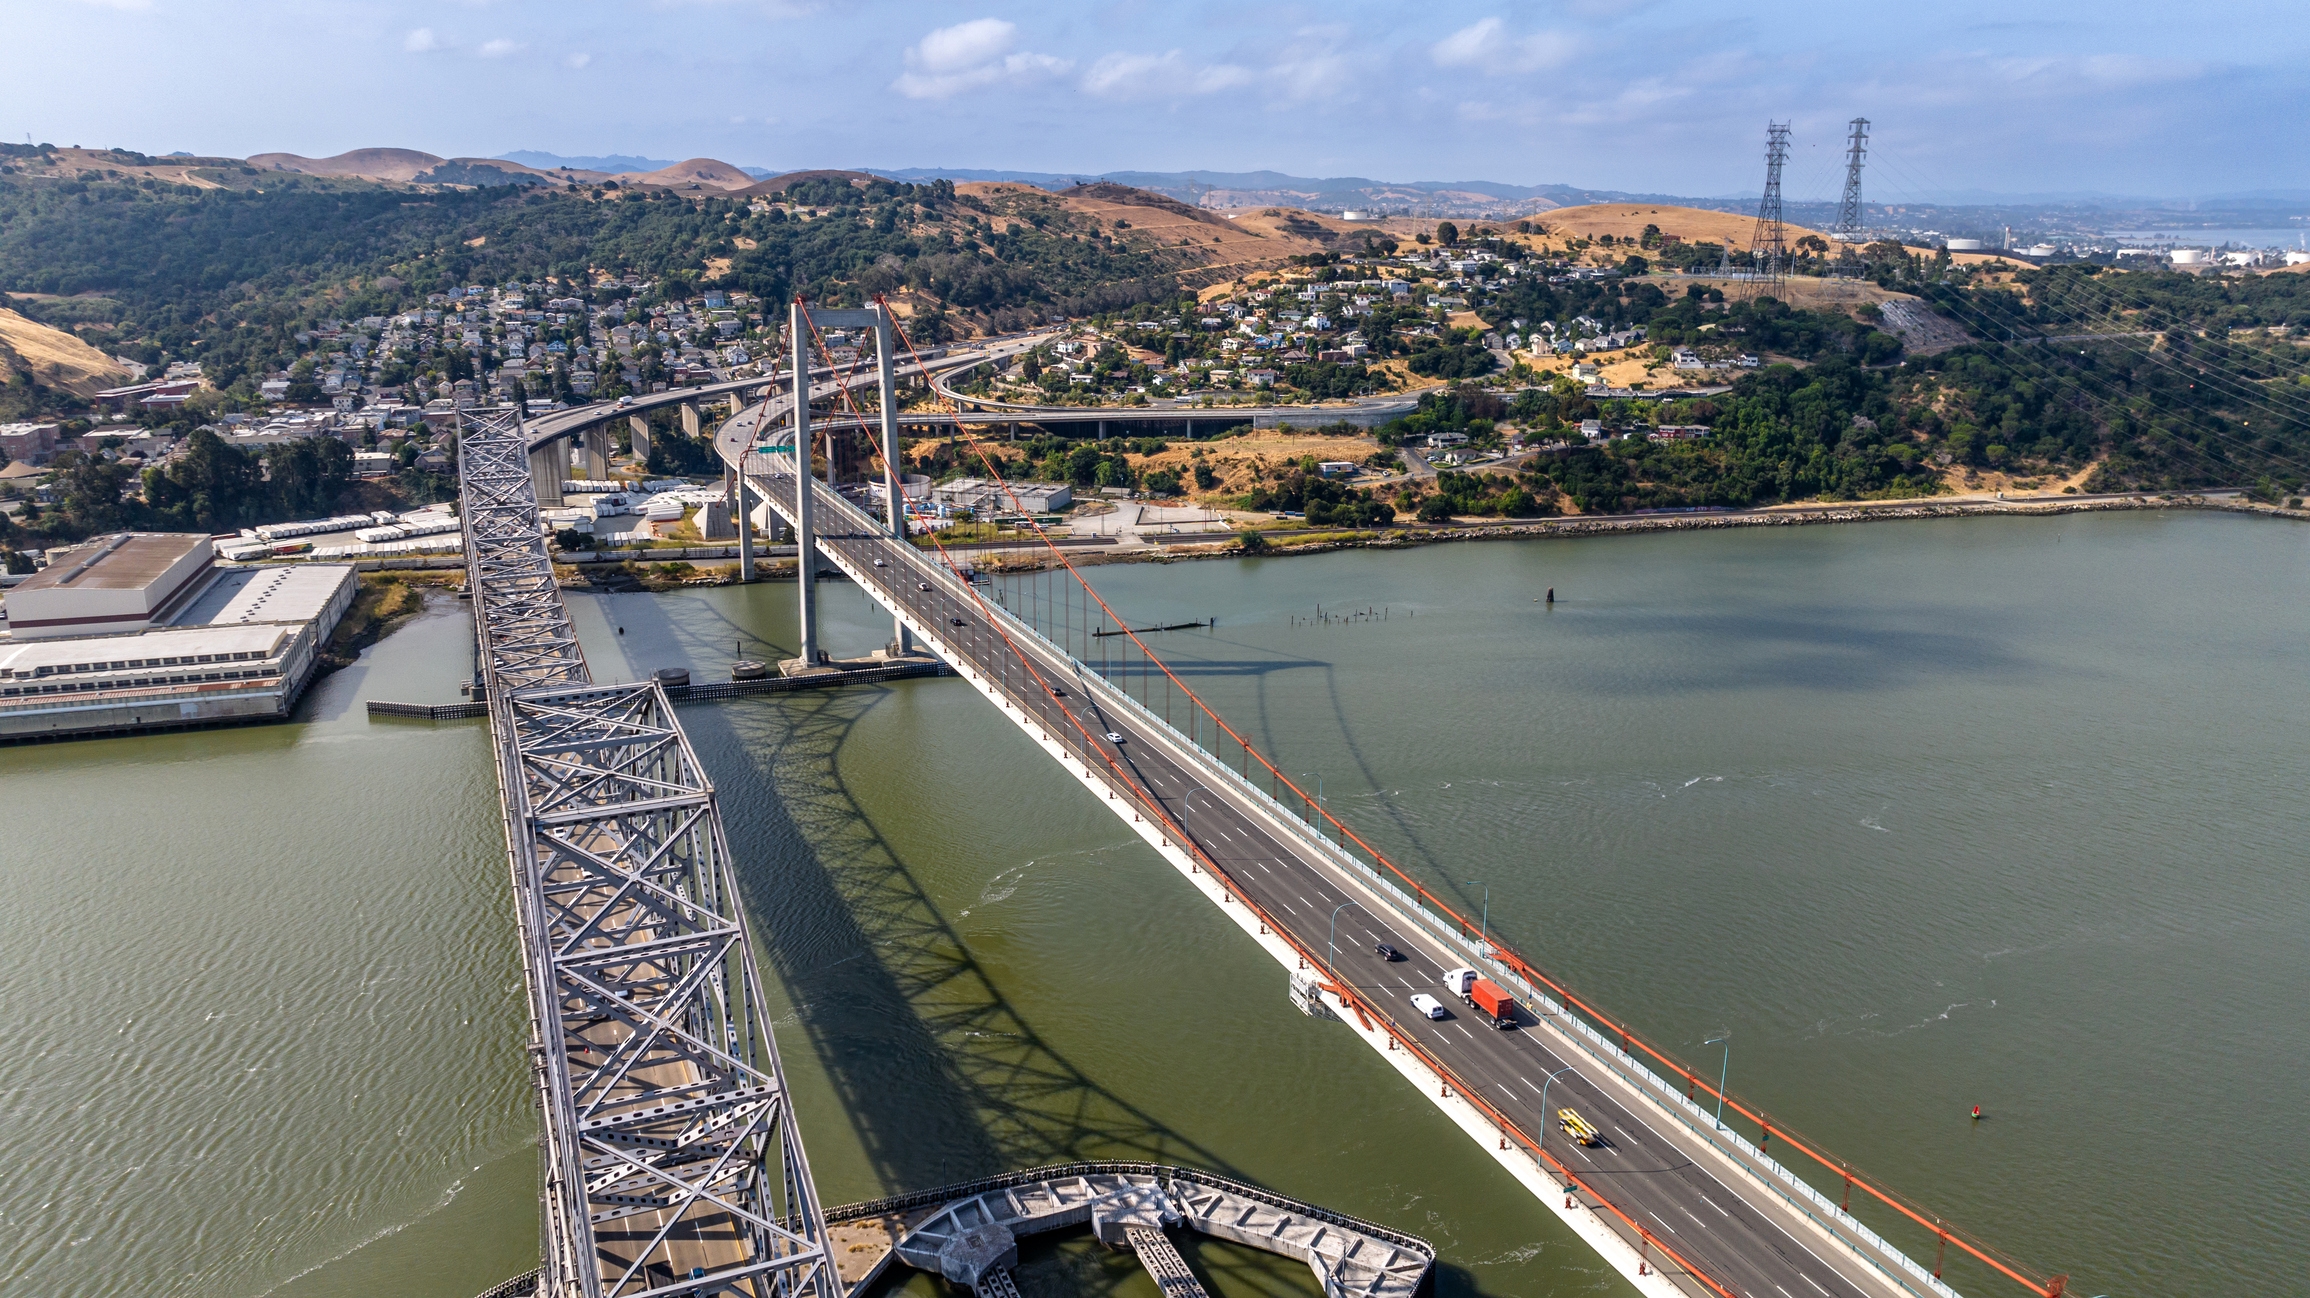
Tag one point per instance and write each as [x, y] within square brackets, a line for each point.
[578, 60]
[1487, 46]
[499, 48]
[1154, 76]
[421, 40]
[968, 56]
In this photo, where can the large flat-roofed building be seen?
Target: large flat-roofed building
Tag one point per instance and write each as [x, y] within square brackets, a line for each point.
[986, 497]
[242, 648]
[112, 585]
[300, 593]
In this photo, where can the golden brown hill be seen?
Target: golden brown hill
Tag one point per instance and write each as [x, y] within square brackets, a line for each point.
[398, 165]
[702, 173]
[409, 166]
[56, 358]
[1691, 224]
[1203, 246]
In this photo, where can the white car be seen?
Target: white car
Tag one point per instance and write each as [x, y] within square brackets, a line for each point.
[1427, 1005]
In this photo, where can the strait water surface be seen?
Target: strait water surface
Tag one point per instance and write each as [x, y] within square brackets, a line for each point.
[1924, 815]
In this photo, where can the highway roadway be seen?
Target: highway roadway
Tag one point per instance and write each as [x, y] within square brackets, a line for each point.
[1638, 1166]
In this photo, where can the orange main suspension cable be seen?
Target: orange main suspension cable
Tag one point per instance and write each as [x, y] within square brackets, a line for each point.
[1507, 956]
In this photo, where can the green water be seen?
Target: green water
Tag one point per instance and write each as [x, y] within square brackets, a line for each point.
[1926, 815]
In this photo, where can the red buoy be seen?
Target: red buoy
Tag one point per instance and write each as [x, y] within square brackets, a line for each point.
[1977, 1113]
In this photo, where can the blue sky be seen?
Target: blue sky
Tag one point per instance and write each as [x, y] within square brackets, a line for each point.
[1666, 95]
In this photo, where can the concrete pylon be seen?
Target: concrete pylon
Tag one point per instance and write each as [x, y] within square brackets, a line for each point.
[894, 493]
[805, 537]
[690, 422]
[640, 428]
[548, 467]
[596, 449]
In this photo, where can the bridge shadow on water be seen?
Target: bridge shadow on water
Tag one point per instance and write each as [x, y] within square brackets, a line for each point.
[940, 1074]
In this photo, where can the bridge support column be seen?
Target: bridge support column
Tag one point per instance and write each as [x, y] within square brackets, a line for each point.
[742, 513]
[640, 428]
[596, 448]
[805, 538]
[894, 493]
[548, 466]
[690, 422]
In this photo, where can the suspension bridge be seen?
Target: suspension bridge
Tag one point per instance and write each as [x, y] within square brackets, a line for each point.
[673, 1164]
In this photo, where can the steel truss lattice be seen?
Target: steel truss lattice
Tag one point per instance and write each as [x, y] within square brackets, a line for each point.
[672, 1163]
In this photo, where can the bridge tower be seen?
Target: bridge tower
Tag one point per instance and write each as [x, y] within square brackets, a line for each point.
[1769, 245]
[802, 326]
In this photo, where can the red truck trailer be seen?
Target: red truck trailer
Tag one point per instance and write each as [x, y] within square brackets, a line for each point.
[1488, 996]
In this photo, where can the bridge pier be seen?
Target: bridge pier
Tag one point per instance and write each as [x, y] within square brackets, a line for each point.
[548, 466]
[893, 490]
[640, 428]
[741, 512]
[805, 534]
[595, 446]
[690, 422]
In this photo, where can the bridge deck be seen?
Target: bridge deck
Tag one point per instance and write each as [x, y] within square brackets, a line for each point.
[670, 1154]
[1736, 1217]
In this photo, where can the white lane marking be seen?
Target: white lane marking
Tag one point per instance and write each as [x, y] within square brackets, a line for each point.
[1785, 1292]
[1465, 1032]
[1814, 1283]
[1663, 1224]
[1712, 1203]
[1695, 1217]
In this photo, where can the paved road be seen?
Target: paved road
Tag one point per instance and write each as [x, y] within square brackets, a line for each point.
[1637, 1166]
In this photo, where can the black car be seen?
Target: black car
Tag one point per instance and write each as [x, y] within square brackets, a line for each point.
[955, 620]
[1388, 953]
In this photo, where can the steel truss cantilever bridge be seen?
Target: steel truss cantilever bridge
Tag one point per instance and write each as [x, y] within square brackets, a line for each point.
[672, 1162]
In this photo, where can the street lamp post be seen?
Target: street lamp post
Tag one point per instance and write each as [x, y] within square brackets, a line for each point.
[1331, 948]
[1724, 1069]
[1318, 798]
[1484, 925]
[1187, 805]
[1544, 1082]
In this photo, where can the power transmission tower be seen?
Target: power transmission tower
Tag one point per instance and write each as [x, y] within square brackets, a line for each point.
[1769, 246]
[1849, 211]
[1848, 231]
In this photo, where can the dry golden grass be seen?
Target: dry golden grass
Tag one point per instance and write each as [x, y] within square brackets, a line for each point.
[57, 358]
[1627, 221]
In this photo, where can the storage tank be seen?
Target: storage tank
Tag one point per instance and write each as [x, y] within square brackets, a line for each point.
[2187, 257]
[1964, 245]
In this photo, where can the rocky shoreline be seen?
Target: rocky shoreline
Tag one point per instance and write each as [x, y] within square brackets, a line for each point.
[1619, 524]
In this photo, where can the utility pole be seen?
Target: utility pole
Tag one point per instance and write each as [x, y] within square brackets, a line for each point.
[1769, 246]
[1848, 229]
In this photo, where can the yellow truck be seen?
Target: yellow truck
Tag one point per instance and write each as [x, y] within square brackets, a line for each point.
[1578, 1127]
